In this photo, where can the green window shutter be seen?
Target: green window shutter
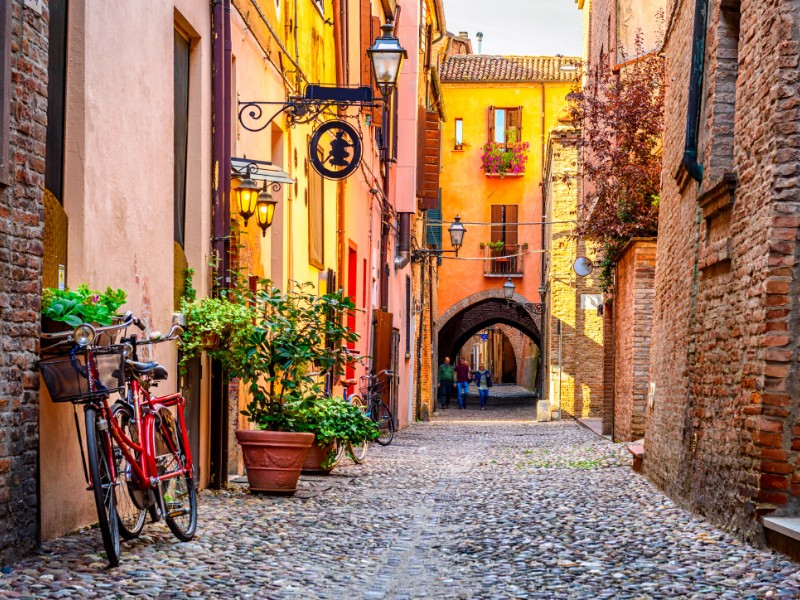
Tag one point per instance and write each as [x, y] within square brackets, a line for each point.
[434, 233]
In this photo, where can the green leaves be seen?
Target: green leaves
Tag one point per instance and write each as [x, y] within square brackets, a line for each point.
[82, 305]
[296, 339]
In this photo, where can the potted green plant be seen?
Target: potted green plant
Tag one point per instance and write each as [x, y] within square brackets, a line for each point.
[63, 310]
[297, 337]
[334, 421]
[218, 326]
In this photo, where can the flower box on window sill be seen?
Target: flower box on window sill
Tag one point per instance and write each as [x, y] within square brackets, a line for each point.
[501, 175]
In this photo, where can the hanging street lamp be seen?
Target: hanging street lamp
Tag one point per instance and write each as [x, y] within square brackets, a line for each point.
[386, 56]
[508, 289]
[456, 230]
[247, 196]
[265, 210]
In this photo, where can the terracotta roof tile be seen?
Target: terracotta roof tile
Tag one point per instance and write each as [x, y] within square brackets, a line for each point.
[482, 67]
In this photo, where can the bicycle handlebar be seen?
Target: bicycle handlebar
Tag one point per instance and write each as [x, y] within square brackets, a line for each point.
[128, 320]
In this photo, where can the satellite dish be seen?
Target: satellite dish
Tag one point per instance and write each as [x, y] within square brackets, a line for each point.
[583, 266]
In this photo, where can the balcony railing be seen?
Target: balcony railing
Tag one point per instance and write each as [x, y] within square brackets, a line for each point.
[503, 262]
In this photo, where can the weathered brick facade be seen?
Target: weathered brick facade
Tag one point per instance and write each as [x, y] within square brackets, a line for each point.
[633, 306]
[21, 222]
[723, 437]
[576, 382]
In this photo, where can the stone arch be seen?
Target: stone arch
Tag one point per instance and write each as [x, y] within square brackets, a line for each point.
[479, 311]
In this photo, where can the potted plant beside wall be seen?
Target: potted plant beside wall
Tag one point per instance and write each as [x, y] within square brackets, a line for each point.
[63, 310]
[336, 424]
[297, 335]
[219, 326]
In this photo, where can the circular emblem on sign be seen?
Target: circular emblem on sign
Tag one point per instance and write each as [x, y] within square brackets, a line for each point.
[335, 150]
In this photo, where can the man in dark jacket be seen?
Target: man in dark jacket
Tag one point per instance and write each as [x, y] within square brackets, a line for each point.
[446, 380]
[462, 382]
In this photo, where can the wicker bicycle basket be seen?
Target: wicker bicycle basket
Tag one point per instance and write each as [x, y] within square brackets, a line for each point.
[371, 385]
[66, 375]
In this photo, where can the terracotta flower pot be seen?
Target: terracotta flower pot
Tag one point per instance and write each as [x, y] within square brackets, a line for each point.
[314, 459]
[273, 458]
[211, 341]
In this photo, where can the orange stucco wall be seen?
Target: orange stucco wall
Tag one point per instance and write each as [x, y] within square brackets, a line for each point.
[467, 191]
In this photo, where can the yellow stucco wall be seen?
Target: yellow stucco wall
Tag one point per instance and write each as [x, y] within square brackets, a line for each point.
[468, 192]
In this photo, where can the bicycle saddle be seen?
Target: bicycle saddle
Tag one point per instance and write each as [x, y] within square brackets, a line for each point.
[153, 369]
[349, 382]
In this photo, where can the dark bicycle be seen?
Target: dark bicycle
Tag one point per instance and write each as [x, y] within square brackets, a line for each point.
[373, 388]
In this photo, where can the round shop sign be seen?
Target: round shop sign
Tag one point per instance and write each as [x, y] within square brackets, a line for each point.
[335, 150]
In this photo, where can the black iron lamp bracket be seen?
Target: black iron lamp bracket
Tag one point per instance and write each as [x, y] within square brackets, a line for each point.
[252, 169]
[418, 256]
[316, 100]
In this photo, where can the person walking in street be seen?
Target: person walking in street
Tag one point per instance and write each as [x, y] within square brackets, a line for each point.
[462, 382]
[483, 379]
[446, 380]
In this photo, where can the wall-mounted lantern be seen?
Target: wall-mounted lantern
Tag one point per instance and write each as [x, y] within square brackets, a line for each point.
[265, 209]
[386, 56]
[456, 230]
[246, 196]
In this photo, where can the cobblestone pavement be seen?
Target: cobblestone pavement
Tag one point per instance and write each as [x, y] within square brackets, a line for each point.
[475, 504]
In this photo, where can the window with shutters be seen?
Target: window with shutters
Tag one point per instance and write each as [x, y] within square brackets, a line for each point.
[502, 254]
[505, 125]
[180, 133]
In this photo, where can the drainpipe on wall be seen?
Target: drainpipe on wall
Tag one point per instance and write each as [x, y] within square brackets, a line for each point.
[694, 110]
[218, 418]
[338, 16]
[225, 171]
[404, 242]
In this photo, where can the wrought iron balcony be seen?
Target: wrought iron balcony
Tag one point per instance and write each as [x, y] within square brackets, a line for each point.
[503, 262]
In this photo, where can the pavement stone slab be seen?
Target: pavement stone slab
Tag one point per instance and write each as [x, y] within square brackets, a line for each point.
[473, 504]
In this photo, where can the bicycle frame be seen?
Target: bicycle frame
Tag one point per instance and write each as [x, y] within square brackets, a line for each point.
[145, 468]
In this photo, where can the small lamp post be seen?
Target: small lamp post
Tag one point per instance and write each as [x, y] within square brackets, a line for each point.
[386, 56]
[247, 197]
[265, 210]
[457, 231]
[508, 290]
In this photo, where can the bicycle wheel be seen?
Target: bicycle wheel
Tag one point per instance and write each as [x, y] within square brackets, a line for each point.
[178, 493]
[99, 449]
[382, 416]
[131, 499]
[340, 449]
[359, 453]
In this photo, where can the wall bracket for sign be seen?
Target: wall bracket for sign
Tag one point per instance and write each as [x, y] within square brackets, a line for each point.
[317, 99]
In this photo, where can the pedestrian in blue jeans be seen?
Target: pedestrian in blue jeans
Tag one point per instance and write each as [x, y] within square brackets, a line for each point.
[462, 382]
[483, 379]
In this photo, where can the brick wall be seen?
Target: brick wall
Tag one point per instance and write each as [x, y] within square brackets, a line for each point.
[424, 355]
[580, 389]
[722, 437]
[21, 219]
[633, 307]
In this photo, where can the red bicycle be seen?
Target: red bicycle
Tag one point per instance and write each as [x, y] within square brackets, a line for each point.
[137, 452]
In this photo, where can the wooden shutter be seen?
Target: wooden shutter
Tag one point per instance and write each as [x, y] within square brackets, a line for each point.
[512, 229]
[497, 222]
[428, 169]
[366, 41]
[420, 149]
[491, 124]
[375, 32]
[514, 122]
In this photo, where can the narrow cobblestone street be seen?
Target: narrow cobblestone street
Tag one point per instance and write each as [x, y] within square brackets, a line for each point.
[475, 504]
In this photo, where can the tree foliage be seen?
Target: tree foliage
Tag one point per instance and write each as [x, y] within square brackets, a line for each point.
[622, 118]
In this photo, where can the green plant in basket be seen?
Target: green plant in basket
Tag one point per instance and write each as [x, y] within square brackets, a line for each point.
[82, 305]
